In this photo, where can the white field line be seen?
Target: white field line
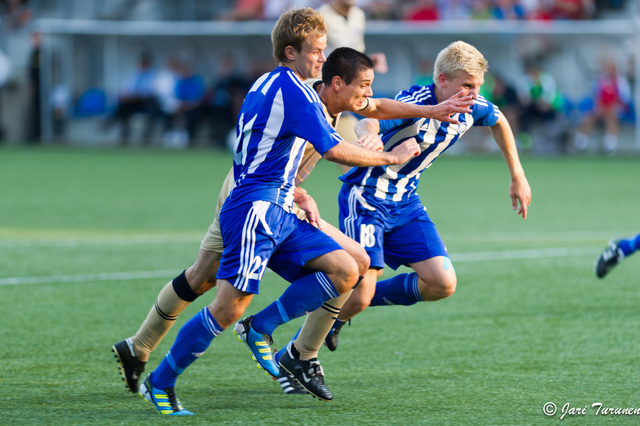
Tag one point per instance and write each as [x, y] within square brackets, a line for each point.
[458, 258]
[99, 240]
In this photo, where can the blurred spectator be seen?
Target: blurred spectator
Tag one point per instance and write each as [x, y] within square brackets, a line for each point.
[137, 97]
[164, 87]
[190, 93]
[425, 72]
[573, 9]
[15, 13]
[541, 10]
[34, 116]
[537, 96]
[498, 91]
[246, 10]
[5, 68]
[382, 10]
[345, 28]
[508, 9]
[274, 8]
[612, 96]
[223, 100]
[60, 98]
[423, 10]
[482, 10]
[455, 9]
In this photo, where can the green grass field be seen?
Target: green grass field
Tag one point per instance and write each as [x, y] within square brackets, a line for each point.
[88, 237]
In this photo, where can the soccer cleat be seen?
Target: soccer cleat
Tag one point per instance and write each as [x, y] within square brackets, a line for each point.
[131, 368]
[609, 258]
[165, 400]
[259, 344]
[331, 341]
[309, 374]
[289, 385]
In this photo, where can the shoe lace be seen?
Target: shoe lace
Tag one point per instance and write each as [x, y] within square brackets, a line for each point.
[612, 252]
[267, 339]
[315, 369]
[173, 399]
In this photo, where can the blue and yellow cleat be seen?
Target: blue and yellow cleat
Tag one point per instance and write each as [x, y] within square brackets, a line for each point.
[259, 344]
[165, 400]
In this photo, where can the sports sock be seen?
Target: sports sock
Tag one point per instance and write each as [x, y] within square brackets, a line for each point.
[193, 339]
[174, 297]
[306, 294]
[317, 325]
[630, 245]
[399, 290]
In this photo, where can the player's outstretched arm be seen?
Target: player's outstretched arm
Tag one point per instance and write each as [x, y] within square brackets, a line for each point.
[389, 109]
[519, 189]
[352, 155]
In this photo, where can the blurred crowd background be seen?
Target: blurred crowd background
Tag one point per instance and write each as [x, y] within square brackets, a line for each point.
[173, 74]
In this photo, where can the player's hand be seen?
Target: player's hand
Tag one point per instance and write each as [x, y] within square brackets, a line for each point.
[372, 142]
[455, 104]
[308, 204]
[405, 151]
[520, 193]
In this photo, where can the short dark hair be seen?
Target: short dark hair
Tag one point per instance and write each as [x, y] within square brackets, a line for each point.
[345, 63]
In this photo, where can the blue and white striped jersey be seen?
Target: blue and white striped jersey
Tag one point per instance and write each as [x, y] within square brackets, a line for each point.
[279, 115]
[399, 182]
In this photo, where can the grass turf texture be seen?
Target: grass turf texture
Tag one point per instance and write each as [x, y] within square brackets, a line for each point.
[525, 327]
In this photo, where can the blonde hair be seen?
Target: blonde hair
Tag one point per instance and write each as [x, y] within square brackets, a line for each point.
[293, 28]
[459, 56]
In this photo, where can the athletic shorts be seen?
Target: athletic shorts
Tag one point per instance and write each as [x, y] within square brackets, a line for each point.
[260, 234]
[212, 240]
[391, 232]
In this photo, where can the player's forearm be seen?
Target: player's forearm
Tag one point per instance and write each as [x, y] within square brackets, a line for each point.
[368, 126]
[352, 155]
[388, 109]
[505, 140]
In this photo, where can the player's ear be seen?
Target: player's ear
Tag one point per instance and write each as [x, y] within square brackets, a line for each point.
[442, 80]
[336, 82]
[290, 53]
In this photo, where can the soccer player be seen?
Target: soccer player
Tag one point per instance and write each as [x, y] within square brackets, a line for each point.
[351, 71]
[616, 252]
[379, 206]
[278, 116]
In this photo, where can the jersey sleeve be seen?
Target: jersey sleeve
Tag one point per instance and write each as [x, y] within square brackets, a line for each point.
[484, 112]
[312, 125]
[386, 125]
[416, 94]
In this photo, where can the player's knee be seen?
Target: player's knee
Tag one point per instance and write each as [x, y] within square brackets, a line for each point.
[202, 276]
[437, 289]
[346, 275]
[225, 316]
[358, 304]
[362, 260]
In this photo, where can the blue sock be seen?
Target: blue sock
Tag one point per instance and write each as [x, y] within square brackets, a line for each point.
[304, 295]
[193, 339]
[630, 245]
[399, 290]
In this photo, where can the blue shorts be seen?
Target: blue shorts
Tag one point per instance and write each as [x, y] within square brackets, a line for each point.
[391, 232]
[260, 234]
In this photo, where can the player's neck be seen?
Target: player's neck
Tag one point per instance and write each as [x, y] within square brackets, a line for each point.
[322, 93]
[438, 92]
[286, 65]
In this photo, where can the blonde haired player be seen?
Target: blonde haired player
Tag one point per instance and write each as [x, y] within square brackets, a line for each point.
[379, 206]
